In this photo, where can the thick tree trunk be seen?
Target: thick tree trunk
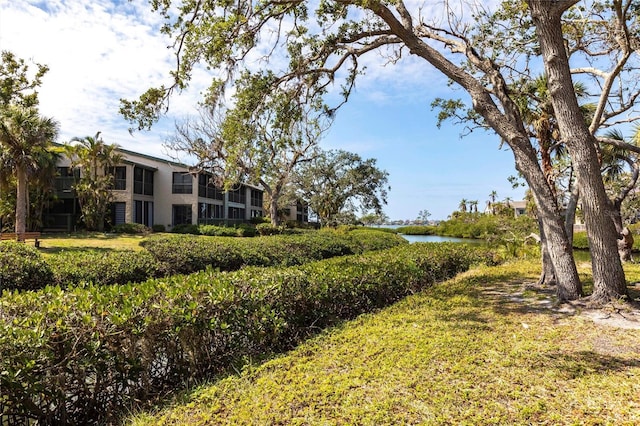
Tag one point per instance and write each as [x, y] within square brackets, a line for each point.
[273, 211]
[21, 199]
[552, 232]
[608, 275]
[506, 120]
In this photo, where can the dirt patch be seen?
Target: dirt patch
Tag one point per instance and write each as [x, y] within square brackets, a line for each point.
[542, 298]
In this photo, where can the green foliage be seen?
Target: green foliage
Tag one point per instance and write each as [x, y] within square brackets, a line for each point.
[186, 228]
[22, 267]
[158, 227]
[132, 228]
[486, 226]
[94, 158]
[135, 342]
[580, 241]
[102, 267]
[216, 231]
[476, 350]
[186, 254]
[269, 229]
[416, 230]
[17, 86]
[337, 183]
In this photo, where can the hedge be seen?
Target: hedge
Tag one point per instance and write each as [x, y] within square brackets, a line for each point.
[24, 268]
[102, 267]
[86, 355]
[186, 254]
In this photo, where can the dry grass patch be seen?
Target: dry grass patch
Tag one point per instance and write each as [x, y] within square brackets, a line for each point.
[478, 349]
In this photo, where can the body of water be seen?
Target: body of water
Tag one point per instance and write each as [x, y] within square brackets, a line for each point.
[439, 239]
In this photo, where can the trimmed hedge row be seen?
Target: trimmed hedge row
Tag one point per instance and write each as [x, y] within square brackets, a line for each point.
[84, 356]
[23, 268]
[185, 254]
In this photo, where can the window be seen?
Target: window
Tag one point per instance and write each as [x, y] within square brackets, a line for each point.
[119, 213]
[143, 212]
[206, 188]
[210, 213]
[182, 183]
[66, 178]
[256, 198]
[119, 174]
[236, 213]
[182, 214]
[302, 212]
[238, 195]
[256, 213]
[142, 181]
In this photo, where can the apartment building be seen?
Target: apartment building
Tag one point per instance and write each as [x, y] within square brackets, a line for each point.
[155, 191]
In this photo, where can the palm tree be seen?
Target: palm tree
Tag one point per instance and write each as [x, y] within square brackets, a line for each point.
[493, 196]
[93, 157]
[463, 205]
[23, 132]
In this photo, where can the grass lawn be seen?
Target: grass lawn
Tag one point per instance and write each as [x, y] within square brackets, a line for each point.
[484, 348]
[51, 243]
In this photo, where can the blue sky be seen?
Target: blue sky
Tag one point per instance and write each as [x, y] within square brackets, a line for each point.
[101, 51]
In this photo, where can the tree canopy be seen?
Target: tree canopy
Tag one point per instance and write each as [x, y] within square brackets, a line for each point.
[338, 183]
[485, 52]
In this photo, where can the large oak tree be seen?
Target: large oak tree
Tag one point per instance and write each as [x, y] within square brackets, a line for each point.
[326, 45]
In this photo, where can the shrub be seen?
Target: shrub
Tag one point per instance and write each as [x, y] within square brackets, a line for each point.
[416, 230]
[186, 254]
[22, 267]
[103, 268]
[217, 231]
[269, 229]
[131, 228]
[245, 230]
[186, 228]
[158, 228]
[125, 343]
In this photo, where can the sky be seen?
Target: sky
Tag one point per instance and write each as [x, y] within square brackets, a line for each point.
[100, 51]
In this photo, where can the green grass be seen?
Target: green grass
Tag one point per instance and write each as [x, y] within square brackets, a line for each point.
[51, 243]
[463, 352]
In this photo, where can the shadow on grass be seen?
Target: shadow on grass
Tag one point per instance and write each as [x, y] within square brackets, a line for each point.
[76, 249]
[574, 365]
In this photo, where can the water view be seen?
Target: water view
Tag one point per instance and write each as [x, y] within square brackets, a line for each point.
[438, 239]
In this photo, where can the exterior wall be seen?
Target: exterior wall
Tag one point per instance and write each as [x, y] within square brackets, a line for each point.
[163, 199]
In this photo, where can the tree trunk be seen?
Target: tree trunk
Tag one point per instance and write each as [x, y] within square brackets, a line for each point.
[21, 199]
[570, 214]
[552, 233]
[273, 211]
[608, 275]
[548, 274]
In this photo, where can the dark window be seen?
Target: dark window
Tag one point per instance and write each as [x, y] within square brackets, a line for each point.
[119, 213]
[206, 188]
[142, 181]
[256, 198]
[119, 174]
[143, 212]
[66, 178]
[208, 213]
[182, 183]
[236, 213]
[238, 195]
[302, 212]
[181, 214]
[256, 213]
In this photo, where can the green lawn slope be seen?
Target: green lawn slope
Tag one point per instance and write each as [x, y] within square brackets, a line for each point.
[484, 348]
